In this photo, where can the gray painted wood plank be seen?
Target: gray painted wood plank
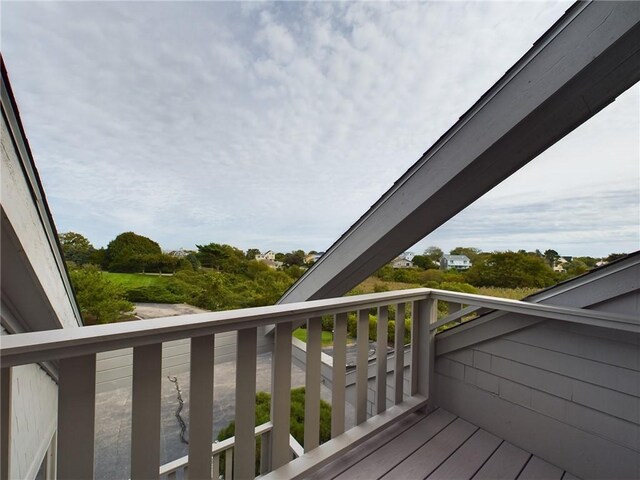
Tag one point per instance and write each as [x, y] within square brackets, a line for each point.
[466, 460]
[538, 469]
[430, 456]
[505, 464]
[568, 476]
[582, 453]
[362, 451]
[393, 452]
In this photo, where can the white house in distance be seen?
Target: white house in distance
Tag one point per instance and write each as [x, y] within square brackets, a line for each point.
[268, 255]
[455, 262]
[401, 262]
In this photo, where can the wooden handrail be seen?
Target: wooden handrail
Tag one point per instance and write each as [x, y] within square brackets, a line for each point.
[36, 347]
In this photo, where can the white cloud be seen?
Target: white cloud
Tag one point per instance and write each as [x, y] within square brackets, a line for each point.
[274, 125]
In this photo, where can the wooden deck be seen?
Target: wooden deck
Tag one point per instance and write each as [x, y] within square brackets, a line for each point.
[438, 446]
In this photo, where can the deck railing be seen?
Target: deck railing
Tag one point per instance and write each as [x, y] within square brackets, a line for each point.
[75, 351]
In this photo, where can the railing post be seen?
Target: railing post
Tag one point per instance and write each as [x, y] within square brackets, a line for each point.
[76, 417]
[423, 346]
[281, 395]
[145, 411]
[312, 385]
[338, 374]
[5, 423]
[399, 355]
[265, 452]
[201, 409]
[381, 359]
[245, 444]
[362, 366]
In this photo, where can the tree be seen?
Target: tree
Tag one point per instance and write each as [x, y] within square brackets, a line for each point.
[471, 252]
[434, 253]
[126, 252]
[251, 253]
[76, 248]
[423, 261]
[294, 258]
[510, 270]
[100, 300]
[222, 257]
[614, 256]
[551, 256]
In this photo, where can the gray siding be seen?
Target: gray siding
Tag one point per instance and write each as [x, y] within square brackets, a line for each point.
[565, 392]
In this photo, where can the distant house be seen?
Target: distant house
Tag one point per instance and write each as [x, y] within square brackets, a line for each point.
[268, 255]
[272, 263]
[402, 262]
[455, 262]
[408, 256]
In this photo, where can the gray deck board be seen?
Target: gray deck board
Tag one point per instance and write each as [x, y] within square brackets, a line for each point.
[431, 455]
[505, 464]
[538, 469]
[438, 446]
[362, 451]
[469, 458]
[392, 453]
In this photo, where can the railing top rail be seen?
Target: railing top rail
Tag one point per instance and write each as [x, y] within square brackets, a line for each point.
[577, 315]
[36, 347]
[54, 344]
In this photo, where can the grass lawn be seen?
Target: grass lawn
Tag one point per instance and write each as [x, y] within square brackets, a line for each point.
[134, 280]
[301, 334]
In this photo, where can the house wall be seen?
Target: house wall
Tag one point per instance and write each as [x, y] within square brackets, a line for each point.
[568, 393]
[34, 406]
[114, 369]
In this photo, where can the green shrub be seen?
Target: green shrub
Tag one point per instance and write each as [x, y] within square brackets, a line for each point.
[263, 414]
[154, 294]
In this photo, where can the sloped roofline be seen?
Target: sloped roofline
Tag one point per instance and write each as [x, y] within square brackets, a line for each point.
[37, 190]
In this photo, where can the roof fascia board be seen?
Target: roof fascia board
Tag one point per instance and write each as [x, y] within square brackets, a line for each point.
[19, 139]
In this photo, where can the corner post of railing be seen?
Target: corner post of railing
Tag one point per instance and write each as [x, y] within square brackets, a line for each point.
[424, 315]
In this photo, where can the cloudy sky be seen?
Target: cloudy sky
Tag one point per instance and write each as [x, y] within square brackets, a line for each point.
[276, 125]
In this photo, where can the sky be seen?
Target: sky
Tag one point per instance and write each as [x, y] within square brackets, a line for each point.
[277, 125]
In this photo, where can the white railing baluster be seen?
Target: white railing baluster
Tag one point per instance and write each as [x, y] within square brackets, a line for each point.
[398, 373]
[281, 395]
[245, 444]
[312, 385]
[381, 359]
[76, 417]
[362, 366]
[145, 411]
[5, 423]
[338, 374]
[201, 406]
